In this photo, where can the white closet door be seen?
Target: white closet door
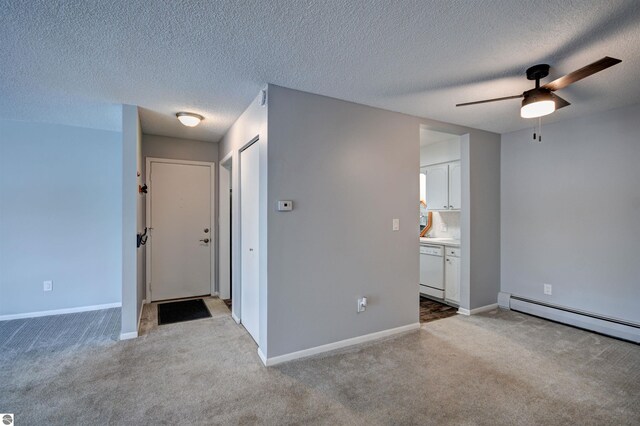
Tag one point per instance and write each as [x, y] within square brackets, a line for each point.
[249, 228]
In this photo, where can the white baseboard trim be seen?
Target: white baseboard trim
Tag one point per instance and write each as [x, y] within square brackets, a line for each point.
[481, 309]
[335, 345]
[263, 358]
[235, 318]
[130, 335]
[503, 300]
[59, 311]
[144, 301]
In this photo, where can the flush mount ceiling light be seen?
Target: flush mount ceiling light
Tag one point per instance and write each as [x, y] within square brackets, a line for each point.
[189, 119]
[537, 103]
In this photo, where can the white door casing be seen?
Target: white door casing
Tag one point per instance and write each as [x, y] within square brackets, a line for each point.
[179, 210]
[224, 229]
[249, 239]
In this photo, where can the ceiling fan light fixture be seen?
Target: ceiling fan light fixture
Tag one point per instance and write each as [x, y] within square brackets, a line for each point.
[537, 104]
[189, 119]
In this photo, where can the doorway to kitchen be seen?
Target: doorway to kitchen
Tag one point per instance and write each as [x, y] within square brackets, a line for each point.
[440, 208]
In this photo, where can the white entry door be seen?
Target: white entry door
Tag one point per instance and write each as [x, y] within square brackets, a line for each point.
[250, 256]
[181, 234]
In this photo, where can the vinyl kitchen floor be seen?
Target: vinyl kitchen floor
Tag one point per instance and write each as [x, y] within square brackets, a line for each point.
[430, 310]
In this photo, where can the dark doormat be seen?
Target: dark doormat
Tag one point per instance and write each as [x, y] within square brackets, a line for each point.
[184, 310]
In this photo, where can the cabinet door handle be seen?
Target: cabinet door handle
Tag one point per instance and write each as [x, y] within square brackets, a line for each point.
[444, 207]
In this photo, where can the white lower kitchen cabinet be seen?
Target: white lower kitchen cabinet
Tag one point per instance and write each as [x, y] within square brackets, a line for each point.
[452, 275]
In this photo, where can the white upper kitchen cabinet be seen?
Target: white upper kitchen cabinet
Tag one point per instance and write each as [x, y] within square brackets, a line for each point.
[455, 193]
[437, 178]
[442, 186]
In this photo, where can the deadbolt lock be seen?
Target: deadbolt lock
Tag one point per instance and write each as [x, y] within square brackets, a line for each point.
[206, 230]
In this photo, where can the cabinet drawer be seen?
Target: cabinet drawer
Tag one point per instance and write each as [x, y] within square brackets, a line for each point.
[453, 251]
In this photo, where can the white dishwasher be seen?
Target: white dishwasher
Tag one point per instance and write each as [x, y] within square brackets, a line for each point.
[432, 271]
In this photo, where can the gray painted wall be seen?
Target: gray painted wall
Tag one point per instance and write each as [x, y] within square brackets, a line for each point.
[250, 125]
[349, 169]
[131, 295]
[483, 224]
[178, 149]
[141, 221]
[60, 204]
[570, 213]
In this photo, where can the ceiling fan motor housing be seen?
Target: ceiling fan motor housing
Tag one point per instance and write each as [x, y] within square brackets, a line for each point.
[538, 72]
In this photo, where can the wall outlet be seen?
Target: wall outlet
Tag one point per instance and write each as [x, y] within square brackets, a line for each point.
[362, 304]
[547, 289]
[443, 227]
[47, 285]
[396, 224]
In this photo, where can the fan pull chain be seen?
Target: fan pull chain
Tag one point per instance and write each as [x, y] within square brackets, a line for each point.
[540, 129]
[537, 135]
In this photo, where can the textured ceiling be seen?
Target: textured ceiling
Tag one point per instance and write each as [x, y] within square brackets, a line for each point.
[74, 61]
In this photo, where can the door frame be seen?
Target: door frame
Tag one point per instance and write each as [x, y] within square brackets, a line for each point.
[224, 221]
[237, 277]
[212, 226]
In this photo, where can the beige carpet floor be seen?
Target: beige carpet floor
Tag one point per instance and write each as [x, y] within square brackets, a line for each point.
[496, 368]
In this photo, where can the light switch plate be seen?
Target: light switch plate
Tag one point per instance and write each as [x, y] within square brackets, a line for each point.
[396, 224]
[47, 285]
[547, 289]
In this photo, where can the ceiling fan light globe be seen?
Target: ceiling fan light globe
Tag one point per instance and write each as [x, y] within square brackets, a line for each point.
[537, 103]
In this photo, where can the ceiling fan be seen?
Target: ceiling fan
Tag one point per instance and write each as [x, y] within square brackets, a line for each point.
[541, 100]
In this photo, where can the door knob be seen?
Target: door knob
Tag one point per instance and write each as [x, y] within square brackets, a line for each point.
[206, 230]
[206, 240]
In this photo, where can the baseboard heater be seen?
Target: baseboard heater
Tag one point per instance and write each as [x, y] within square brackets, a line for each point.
[588, 321]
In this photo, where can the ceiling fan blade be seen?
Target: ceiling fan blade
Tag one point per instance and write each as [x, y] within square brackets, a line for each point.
[490, 100]
[560, 103]
[583, 72]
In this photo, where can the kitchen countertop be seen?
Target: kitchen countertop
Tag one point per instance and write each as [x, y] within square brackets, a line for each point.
[440, 241]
